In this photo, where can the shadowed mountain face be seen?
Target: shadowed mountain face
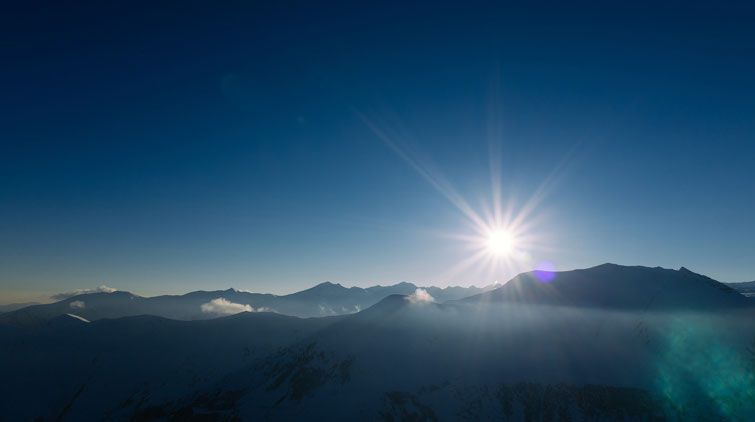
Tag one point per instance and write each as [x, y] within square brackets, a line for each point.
[611, 286]
[325, 299]
[575, 355]
[446, 361]
[75, 370]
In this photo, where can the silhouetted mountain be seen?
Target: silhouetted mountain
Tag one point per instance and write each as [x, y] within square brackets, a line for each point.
[588, 348]
[611, 286]
[325, 299]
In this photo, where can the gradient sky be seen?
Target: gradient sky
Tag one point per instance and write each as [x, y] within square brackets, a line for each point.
[176, 147]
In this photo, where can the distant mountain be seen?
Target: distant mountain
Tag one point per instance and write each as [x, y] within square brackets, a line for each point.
[14, 306]
[90, 306]
[611, 286]
[563, 353]
[747, 288]
[325, 299]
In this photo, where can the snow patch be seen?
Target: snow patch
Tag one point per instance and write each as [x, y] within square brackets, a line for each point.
[78, 317]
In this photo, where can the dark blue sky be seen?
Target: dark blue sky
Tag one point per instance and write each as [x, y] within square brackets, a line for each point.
[177, 146]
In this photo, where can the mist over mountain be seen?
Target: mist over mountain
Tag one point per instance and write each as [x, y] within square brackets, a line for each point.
[279, 146]
[14, 306]
[747, 288]
[324, 299]
[605, 343]
[611, 286]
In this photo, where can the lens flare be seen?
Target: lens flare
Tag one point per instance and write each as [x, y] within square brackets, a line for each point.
[502, 234]
[545, 272]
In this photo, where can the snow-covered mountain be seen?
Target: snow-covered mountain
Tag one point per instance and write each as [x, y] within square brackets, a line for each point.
[325, 299]
[563, 353]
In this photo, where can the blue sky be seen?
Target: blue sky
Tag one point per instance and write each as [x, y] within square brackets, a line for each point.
[164, 148]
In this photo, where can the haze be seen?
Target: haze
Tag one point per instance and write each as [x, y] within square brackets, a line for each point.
[162, 149]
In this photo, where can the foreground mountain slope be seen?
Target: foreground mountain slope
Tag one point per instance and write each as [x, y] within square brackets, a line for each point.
[111, 368]
[402, 359]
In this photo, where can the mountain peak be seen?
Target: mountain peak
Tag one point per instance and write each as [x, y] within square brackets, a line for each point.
[326, 287]
[106, 295]
[328, 284]
[618, 287]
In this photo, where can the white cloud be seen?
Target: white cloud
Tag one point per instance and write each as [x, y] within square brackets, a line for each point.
[76, 292]
[420, 296]
[77, 304]
[222, 306]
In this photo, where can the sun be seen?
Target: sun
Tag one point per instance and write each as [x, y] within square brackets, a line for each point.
[500, 242]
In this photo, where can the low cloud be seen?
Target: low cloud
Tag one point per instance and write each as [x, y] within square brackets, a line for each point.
[77, 304]
[326, 310]
[420, 296]
[76, 292]
[222, 306]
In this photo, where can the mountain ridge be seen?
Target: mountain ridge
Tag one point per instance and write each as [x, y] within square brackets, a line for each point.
[323, 299]
[633, 287]
[617, 286]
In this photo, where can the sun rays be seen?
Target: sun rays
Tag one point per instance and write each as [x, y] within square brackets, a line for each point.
[503, 237]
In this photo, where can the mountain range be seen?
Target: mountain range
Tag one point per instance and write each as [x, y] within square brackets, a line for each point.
[325, 299]
[604, 343]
